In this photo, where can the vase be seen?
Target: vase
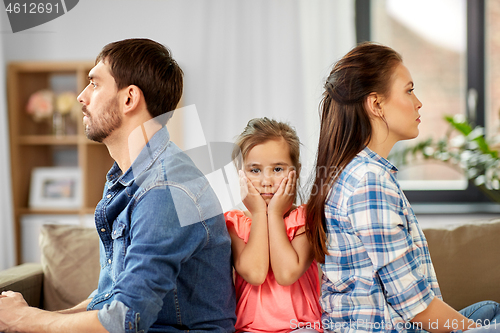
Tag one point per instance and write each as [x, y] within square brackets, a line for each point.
[58, 124]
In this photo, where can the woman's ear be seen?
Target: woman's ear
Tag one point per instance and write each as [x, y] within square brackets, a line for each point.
[373, 105]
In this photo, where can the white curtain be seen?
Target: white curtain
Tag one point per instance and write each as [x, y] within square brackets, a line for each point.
[7, 253]
[266, 58]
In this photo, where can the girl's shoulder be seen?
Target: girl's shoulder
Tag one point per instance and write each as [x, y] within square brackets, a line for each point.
[239, 221]
[236, 214]
[296, 217]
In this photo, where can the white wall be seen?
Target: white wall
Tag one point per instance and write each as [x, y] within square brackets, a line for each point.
[254, 57]
[7, 258]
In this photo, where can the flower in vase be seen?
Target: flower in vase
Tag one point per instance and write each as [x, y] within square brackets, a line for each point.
[65, 102]
[40, 105]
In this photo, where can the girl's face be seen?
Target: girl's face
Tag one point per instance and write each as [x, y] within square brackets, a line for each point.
[266, 165]
[401, 109]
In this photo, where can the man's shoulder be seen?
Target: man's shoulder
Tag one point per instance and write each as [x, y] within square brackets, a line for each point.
[173, 167]
[188, 188]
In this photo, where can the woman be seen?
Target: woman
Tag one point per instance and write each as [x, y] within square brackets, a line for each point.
[377, 270]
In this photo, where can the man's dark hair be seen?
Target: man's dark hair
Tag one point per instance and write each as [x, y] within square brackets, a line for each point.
[148, 65]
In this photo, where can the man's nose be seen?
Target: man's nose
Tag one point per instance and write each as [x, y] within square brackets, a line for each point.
[82, 98]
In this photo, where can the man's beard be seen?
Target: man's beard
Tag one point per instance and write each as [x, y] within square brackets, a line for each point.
[100, 127]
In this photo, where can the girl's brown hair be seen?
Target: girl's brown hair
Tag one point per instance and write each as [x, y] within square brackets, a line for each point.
[261, 130]
[345, 125]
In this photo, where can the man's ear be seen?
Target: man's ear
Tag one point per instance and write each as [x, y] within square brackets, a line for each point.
[373, 105]
[131, 98]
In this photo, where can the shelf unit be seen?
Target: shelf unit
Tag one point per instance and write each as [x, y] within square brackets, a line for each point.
[32, 144]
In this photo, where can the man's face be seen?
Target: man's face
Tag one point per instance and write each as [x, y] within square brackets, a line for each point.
[101, 110]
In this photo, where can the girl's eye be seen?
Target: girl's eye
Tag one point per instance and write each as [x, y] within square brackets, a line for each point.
[254, 170]
[278, 169]
[411, 91]
[92, 84]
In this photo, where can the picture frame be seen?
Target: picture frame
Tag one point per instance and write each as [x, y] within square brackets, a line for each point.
[56, 188]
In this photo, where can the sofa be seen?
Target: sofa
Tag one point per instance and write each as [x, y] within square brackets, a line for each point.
[67, 274]
[466, 259]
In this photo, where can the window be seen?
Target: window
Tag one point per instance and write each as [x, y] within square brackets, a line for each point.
[443, 46]
[492, 69]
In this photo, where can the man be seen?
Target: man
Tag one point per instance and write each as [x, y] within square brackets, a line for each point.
[165, 251]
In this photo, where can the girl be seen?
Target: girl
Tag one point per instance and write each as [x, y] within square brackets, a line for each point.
[377, 271]
[276, 277]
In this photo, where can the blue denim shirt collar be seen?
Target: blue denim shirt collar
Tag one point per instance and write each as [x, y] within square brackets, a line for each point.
[148, 155]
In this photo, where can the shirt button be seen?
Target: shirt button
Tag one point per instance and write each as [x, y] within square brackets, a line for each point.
[109, 261]
[106, 295]
[108, 196]
[114, 232]
[103, 230]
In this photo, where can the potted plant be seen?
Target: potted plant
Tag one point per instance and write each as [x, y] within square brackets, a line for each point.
[466, 148]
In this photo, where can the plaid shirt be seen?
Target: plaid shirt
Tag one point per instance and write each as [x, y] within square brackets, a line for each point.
[379, 273]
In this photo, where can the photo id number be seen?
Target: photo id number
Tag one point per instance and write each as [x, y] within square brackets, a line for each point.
[32, 8]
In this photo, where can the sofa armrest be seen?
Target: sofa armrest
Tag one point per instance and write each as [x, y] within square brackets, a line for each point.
[26, 279]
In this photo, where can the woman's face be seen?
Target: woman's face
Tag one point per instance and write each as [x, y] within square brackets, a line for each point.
[401, 108]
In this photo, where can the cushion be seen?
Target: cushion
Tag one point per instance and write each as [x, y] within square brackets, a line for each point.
[467, 262]
[70, 263]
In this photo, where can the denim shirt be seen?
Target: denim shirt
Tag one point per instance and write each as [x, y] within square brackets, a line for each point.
[165, 252]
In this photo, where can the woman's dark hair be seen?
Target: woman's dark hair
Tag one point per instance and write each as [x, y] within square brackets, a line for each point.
[345, 125]
[148, 65]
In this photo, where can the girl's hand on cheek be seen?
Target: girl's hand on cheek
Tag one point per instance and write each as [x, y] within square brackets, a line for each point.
[283, 199]
[250, 196]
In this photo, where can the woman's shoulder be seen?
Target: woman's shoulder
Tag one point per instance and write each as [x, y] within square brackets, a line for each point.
[364, 167]
[361, 175]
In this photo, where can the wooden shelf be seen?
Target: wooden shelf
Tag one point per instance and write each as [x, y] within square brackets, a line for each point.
[29, 211]
[55, 140]
[88, 210]
[80, 211]
[48, 140]
[32, 145]
[31, 67]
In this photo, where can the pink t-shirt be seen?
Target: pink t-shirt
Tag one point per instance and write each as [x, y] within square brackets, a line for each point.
[271, 307]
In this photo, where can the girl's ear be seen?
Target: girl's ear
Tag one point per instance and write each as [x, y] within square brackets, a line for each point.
[373, 105]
